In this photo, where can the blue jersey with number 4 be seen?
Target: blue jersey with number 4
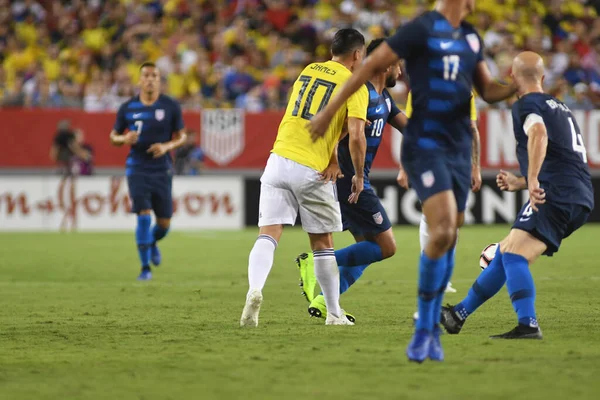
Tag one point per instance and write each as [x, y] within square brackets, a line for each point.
[564, 175]
[381, 110]
[440, 62]
[156, 123]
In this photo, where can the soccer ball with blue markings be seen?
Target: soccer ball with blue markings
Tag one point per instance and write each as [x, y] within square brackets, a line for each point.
[487, 255]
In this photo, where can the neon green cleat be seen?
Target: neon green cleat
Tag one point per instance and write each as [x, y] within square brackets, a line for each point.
[318, 309]
[308, 280]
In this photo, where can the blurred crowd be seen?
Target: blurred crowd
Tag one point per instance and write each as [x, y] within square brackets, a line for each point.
[247, 53]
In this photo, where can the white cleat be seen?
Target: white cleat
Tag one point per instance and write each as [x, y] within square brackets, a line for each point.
[251, 309]
[450, 289]
[333, 320]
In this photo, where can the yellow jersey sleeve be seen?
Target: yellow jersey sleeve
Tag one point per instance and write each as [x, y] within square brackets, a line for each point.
[473, 108]
[358, 104]
[409, 109]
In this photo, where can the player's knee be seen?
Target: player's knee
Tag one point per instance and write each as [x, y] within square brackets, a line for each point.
[145, 212]
[163, 223]
[321, 241]
[442, 237]
[388, 249]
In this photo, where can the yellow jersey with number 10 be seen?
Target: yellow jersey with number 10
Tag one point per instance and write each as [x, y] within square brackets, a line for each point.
[409, 109]
[313, 89]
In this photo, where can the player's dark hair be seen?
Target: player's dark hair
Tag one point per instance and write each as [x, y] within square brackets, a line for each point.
[147, 64]
[346, 41]
[373, 45]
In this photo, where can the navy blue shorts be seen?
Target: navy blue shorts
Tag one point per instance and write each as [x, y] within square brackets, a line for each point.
[367, 216]
[552, 223]
[432, 171]
[151, 192]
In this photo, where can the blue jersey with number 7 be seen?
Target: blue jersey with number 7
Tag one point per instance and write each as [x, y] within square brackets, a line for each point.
[440, 61]
[565, 175]
[382, 109]
[155, 123]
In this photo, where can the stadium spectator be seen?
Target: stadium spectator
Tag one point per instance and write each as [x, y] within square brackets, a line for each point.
[218, 54]
[83, 166]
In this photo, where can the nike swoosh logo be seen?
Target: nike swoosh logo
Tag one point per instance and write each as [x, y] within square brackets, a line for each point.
[137, 115]
[446, 45]
[379, 109]
[524, 219]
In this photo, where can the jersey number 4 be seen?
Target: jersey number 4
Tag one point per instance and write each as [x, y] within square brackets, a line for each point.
[329, 87]
[577, 141]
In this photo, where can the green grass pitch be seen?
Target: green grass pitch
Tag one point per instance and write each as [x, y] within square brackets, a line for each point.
[74, 324]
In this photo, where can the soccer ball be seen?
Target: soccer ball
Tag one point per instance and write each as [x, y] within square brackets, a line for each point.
[487, 255]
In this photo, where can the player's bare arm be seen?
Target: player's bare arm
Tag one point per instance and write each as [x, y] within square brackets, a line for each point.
[399, 122]
[376, 63]
[537, 145]
[160, 149]
[490, 89]
[129, 138]
[332, 172]
[476, 159]
[358, 150]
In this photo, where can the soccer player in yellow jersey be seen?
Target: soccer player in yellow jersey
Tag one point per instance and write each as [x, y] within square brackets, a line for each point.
[297, 177]
[475, 176]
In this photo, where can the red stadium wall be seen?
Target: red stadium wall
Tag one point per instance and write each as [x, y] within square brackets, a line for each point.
[232, 140]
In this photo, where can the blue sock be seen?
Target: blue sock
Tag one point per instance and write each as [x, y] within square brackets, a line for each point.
[489, 282]
[431, 274]
[143, 238]
[442, 290]
[359, 254]
[520, 288]
[158, 232]
[349, 275]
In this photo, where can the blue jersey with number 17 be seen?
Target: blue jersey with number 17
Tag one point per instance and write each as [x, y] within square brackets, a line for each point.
[381, 110]
[564, 175]
[156, 123]
[440, 61]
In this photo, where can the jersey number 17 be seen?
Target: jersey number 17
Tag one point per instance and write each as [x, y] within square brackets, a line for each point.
[306, 114]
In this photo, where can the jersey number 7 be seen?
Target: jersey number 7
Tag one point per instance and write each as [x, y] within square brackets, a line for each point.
[329, 87]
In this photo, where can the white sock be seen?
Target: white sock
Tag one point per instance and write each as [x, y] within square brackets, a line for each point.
[328, 276]
[260, 261]
[423, 233]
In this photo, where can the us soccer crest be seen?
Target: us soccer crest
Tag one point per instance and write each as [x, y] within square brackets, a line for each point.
[222, 134]
[428, 179]
[159, 114]
[378, 218]
[473, 41]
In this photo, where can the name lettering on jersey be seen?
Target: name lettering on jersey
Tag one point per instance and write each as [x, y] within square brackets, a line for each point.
[159, 114]
[554, 105]
[324, 69]
[474, 43]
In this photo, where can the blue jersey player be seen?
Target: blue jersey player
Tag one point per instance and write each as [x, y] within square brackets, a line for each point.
[554, 168]
[152, 125]
[366, 219]
[443, 56]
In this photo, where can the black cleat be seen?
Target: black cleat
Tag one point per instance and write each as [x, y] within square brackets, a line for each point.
[521, 332]
[450, 320]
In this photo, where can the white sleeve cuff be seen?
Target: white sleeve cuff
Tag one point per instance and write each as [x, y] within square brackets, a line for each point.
[531, 120]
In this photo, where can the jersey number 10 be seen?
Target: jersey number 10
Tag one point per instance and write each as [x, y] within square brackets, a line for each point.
[329, 87]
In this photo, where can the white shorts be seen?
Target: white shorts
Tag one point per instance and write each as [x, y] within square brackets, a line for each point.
[287, 187]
